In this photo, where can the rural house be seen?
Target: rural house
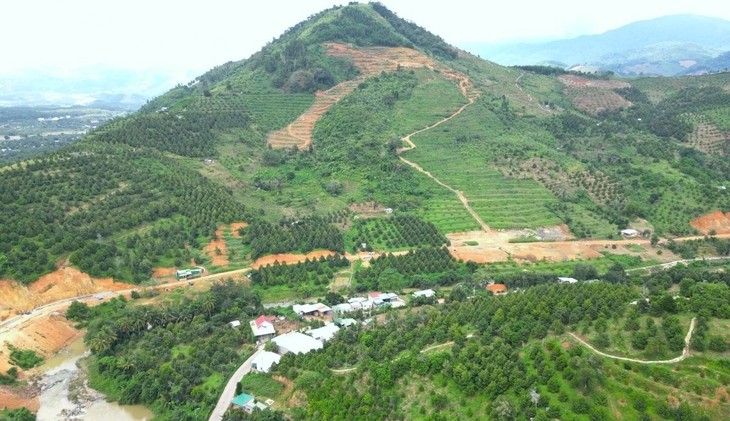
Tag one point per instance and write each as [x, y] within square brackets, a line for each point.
[426, 293]
[296, 343]
[345, 322]
[387, 298]
[248, 403]
[263, 328]
[188, 273]
[629, 233]
[316, 309]
[324, 333]
[263, 362]
[497, 289]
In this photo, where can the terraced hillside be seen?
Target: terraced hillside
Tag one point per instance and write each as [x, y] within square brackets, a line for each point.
[370, 62]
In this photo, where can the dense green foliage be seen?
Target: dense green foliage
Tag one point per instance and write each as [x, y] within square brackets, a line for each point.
[79, 201]
[501, 364]
[173, 359]
[486, 366]
[10, 377]
[292, 236]
[20, 414]
[421, 268]
[24, 358]
[399, 231]
[316, 271]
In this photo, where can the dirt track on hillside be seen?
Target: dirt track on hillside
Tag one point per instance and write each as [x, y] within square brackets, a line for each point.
[370, 62]
[685, 351]
[63, 283]
[491, 247]
[289, 258]
[471, 96]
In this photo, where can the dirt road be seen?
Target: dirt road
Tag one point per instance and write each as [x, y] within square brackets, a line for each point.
[463, 83]
[676, 262]
[685, 351]
[45, 310]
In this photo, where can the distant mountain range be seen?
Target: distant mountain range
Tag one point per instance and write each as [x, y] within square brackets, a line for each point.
[92, 86]
[666, 46]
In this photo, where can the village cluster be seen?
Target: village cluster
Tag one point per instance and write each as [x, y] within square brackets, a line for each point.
[291, 339]
[305, 340]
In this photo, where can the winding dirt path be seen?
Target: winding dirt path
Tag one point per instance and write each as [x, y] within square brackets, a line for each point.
[685, 351]
[463, 84]
[529, 97]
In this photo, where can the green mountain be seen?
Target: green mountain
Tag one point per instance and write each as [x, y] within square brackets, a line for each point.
[356, 131]
[666, 46]
[344, 86]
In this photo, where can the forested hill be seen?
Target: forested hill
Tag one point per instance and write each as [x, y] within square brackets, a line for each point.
[295, 62]
[126, 199]
[344, 87]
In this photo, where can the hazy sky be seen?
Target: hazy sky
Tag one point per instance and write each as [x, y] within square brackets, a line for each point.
[196, 35]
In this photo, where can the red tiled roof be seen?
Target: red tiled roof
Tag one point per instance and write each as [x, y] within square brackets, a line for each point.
[262, 318]
[497, 288]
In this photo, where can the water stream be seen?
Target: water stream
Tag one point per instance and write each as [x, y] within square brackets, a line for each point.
[59, 373]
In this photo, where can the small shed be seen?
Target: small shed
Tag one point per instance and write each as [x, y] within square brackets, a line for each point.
[497, 289]
[346, 322]
[426, 293]
[242, 400]
[316, 309]
[629, 233]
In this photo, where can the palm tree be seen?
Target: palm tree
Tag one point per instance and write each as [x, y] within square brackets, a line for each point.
[209, 304]
[103, 340]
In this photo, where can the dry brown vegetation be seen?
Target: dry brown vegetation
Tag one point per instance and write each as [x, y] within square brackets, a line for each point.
[707, 137]
[594, 95]
[560, 182]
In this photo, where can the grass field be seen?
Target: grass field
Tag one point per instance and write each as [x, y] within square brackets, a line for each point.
[261, 385]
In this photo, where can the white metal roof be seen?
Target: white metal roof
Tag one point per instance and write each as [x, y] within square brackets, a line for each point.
[425, 293]
[265, 360]
[310, 308]
[324, 333]
[264, 328]
[296, 343]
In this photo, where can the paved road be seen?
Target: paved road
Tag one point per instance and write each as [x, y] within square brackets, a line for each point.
[685, 351]
[230, 391]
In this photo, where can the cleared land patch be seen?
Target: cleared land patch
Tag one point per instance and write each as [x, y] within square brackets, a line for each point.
[594, 95]
[716, 221]
[706, 136]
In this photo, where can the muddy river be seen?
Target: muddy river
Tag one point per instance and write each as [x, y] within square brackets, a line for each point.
[65, 394]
